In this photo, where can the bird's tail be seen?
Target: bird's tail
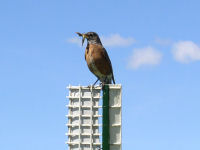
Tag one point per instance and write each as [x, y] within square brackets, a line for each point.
[109, 80]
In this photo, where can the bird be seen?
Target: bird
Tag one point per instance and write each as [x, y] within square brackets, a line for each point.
[97, 58]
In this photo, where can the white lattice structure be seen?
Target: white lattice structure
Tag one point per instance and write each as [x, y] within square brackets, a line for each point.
[83, 118]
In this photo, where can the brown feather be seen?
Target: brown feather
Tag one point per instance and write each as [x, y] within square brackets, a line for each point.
[97, 55]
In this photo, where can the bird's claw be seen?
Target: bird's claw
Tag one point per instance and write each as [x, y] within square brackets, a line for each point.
[90, 86]
[102, 84]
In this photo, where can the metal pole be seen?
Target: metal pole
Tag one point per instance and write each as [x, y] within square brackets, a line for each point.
[106, 131]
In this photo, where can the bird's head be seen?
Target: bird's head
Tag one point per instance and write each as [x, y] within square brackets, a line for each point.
[91, 37]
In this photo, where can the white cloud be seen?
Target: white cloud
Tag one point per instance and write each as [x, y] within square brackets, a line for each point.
[112, 40]
[186, 51]
[144, 56]
[117, 40]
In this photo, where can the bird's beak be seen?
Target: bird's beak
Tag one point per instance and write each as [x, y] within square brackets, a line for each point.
[83, 37]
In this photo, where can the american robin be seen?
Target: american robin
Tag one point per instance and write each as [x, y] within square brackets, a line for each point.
[97, 58]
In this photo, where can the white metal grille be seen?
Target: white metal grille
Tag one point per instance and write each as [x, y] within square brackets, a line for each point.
[83, 118]
[115, 113]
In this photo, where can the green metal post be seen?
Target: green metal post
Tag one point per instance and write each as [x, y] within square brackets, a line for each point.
[106, 131]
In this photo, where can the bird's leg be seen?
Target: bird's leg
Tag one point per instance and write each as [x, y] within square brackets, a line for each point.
[95, 82]
[105, 81]
[102, 84]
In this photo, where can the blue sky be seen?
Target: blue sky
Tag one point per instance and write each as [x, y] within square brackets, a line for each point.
[154, 47]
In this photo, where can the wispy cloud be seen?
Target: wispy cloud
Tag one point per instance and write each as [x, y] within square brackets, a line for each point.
[144, 56]
[163, 42]
[113, 40]
[75, 40]
[117, 40]
[186, 51]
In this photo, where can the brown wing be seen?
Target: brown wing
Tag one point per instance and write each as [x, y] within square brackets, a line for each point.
[107, 57]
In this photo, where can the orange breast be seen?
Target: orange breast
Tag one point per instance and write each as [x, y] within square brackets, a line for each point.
[97, 60]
